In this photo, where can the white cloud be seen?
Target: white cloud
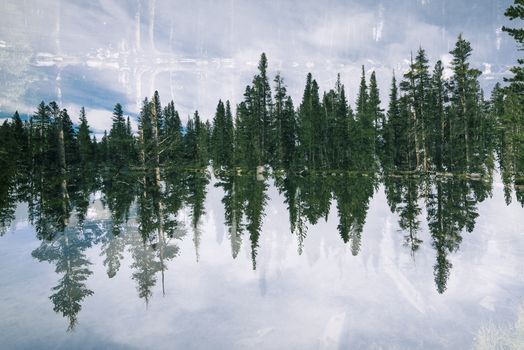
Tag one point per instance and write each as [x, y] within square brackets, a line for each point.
[199, 51]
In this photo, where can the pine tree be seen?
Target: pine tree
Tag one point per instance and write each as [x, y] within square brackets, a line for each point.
[242, 134]
[338, 115]
[20, 152]
[119, 139]
[229, 136]
[311, 126]
[190, 142]
[41, 123]
[262, 110]
[173, 137]
[70, 138]
[464, 104]
[147, 145]
[304, 123]
[84, 139]
[416, 87]
[438, 126]
[376, 113]
[364, 130]
[157, 126]
[195, 141]
[202, 133]
[278, 119]
[103, 150]
[392, 129]
[362, 97]
[59, 132]
[422, 102]
[289, 134]
[217, 137]
[516, 11]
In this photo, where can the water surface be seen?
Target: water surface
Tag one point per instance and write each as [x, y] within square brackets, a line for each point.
[287, 261]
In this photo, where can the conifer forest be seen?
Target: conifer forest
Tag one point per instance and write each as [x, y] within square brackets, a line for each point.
[433, 155]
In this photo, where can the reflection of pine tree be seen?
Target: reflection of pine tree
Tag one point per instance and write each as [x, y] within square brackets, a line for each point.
[296, 216]
[196, 194]
[451, 208]
[11, 165]
[82, 182]
[49, 207]
[157, 226]
[507, 108]
[292, 194]
[402, 194]
[353, 195]
[255, 201]
[409, 211]
[144, 265]
[67, 252]
[150, 253]
[112, 248]
[118, 186]
[7, 202]
[315, 193]
[233, 209]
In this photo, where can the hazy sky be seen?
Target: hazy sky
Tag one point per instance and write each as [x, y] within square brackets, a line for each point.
[97, 53]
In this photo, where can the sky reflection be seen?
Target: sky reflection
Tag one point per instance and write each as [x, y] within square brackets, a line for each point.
[324, 298]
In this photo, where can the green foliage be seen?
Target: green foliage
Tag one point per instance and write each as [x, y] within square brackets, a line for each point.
[120, 141]
[516, 11]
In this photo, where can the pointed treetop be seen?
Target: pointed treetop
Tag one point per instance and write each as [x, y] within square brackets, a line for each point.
[83, 118]
[262, 64]
[118, 112]
[462, 50]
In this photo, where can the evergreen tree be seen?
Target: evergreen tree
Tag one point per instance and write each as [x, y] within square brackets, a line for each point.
[364, 129]
[248, 151]
[221, 138]
[70, 139]
[229, 136]
[289, 134]
[437, 134]
[40, 127]
[262, 110]
[516, 11]
[59, 134]
[20, 151]
[311, 126]
[278, 119]
[85, 147]
[173, 137]
[195, 141]
[147, 145]
[392, 129]
[120, 139]
[465, 118]
[362, 97]
[376, 113]
[338, 115]
[103, 152]
[416, 87]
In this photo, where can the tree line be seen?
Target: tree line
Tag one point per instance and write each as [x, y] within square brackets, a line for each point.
[432, 123]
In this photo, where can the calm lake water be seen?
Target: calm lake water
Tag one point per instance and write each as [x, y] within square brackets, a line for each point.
[236, 262]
